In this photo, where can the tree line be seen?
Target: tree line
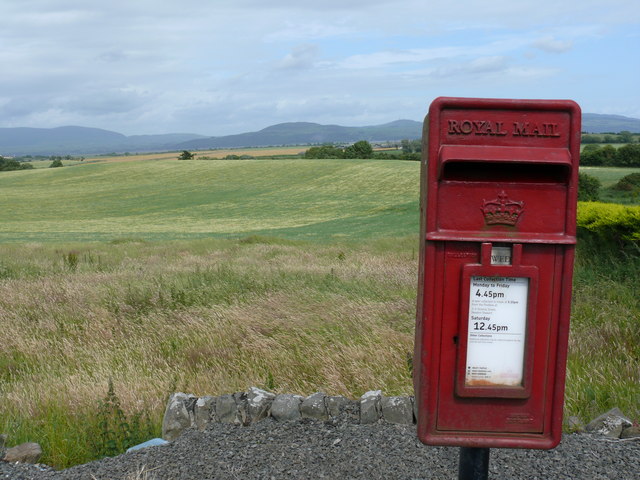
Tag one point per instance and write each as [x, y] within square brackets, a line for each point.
[621, 137]
[361, 149]
[8, 164]
[608, 156]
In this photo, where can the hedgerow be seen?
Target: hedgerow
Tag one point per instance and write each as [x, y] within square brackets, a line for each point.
[609, 223]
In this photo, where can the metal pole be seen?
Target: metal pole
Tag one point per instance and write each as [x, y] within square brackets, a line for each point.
[474, 464]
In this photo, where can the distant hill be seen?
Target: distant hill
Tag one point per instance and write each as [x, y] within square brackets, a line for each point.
[597, 123]
[83, 140]
[304, 133]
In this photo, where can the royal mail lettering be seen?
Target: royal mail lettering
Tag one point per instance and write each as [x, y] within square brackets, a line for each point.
[496, 128]
[477, 127]
[528, 129]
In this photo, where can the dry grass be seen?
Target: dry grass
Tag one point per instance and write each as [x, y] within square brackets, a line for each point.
[219, 154]
[211, 317]
[161, 318]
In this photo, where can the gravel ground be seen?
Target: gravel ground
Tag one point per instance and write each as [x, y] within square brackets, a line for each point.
[340, 449]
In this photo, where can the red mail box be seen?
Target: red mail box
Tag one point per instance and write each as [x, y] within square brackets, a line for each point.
[499, 185]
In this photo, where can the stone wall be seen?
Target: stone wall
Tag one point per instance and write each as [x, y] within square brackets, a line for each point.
[243, 408]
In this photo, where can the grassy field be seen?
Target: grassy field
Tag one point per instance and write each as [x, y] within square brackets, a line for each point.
[608, 176]
[171, 199]
[211, 276]
[203, 316]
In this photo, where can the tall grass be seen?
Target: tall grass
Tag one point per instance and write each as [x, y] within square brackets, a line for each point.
[206, 317]
[217, 316]
[604, 346]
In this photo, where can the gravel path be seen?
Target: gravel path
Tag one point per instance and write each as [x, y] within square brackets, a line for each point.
[340, 449]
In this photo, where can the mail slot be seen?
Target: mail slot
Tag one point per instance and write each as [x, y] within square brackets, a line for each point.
[498, 209]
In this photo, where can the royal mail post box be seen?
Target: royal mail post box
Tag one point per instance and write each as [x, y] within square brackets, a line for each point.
[498, 214]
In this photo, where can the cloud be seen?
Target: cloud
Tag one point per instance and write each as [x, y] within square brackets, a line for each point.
[105, 102]
[482, 65]
[552, 45]
[301, 57]
[236, 65]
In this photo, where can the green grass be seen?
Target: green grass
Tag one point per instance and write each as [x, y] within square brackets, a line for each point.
[170, 199]
[204, 316]
[608, 177]
[604, 348]
[211, 276]
[165, 200]
[214, 316]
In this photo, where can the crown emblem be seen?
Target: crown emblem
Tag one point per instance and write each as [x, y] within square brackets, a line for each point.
[502, 210]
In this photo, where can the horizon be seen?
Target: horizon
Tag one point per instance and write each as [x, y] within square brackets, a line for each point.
[268, 126]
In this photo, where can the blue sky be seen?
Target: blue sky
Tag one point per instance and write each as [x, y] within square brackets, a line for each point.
[222, 67]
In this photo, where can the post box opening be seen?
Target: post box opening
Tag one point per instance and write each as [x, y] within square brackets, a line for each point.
[471, 171]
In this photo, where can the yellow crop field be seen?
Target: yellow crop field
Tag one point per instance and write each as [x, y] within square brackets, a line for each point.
[212, 154]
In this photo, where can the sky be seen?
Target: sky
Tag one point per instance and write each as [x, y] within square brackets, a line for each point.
[219, 67]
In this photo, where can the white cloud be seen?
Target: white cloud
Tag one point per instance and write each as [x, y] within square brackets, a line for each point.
[301, 57]
[235, 65]
[553, 45]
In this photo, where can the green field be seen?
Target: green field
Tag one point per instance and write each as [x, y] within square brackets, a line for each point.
[211, 276]
[608, 176]
[171, 199]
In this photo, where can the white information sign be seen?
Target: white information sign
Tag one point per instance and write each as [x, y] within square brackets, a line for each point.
[497, 331]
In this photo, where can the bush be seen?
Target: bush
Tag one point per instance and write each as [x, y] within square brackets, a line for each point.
[628, 155]
[56, 163]
[628, 183]
[325, 151]
[361, 149]
[588, 188]
[8, 164]
[609, 223]
[590, 139]
[117, 430]
[625, 156]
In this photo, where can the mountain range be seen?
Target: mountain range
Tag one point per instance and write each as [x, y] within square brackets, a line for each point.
[84, 140]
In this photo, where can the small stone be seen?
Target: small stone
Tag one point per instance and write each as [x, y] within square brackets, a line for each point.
[397, 410]
[259, 403]
[23, 453]
[336, 405]
[177, 417]
[154, 442]
[286, 407]
[226, 409]
[242, 414]
[204, 411]
[370, 409]
[314, 407]
[630, 432]
[610, 424]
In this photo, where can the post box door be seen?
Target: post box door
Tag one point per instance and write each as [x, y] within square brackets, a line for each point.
[491, 409]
